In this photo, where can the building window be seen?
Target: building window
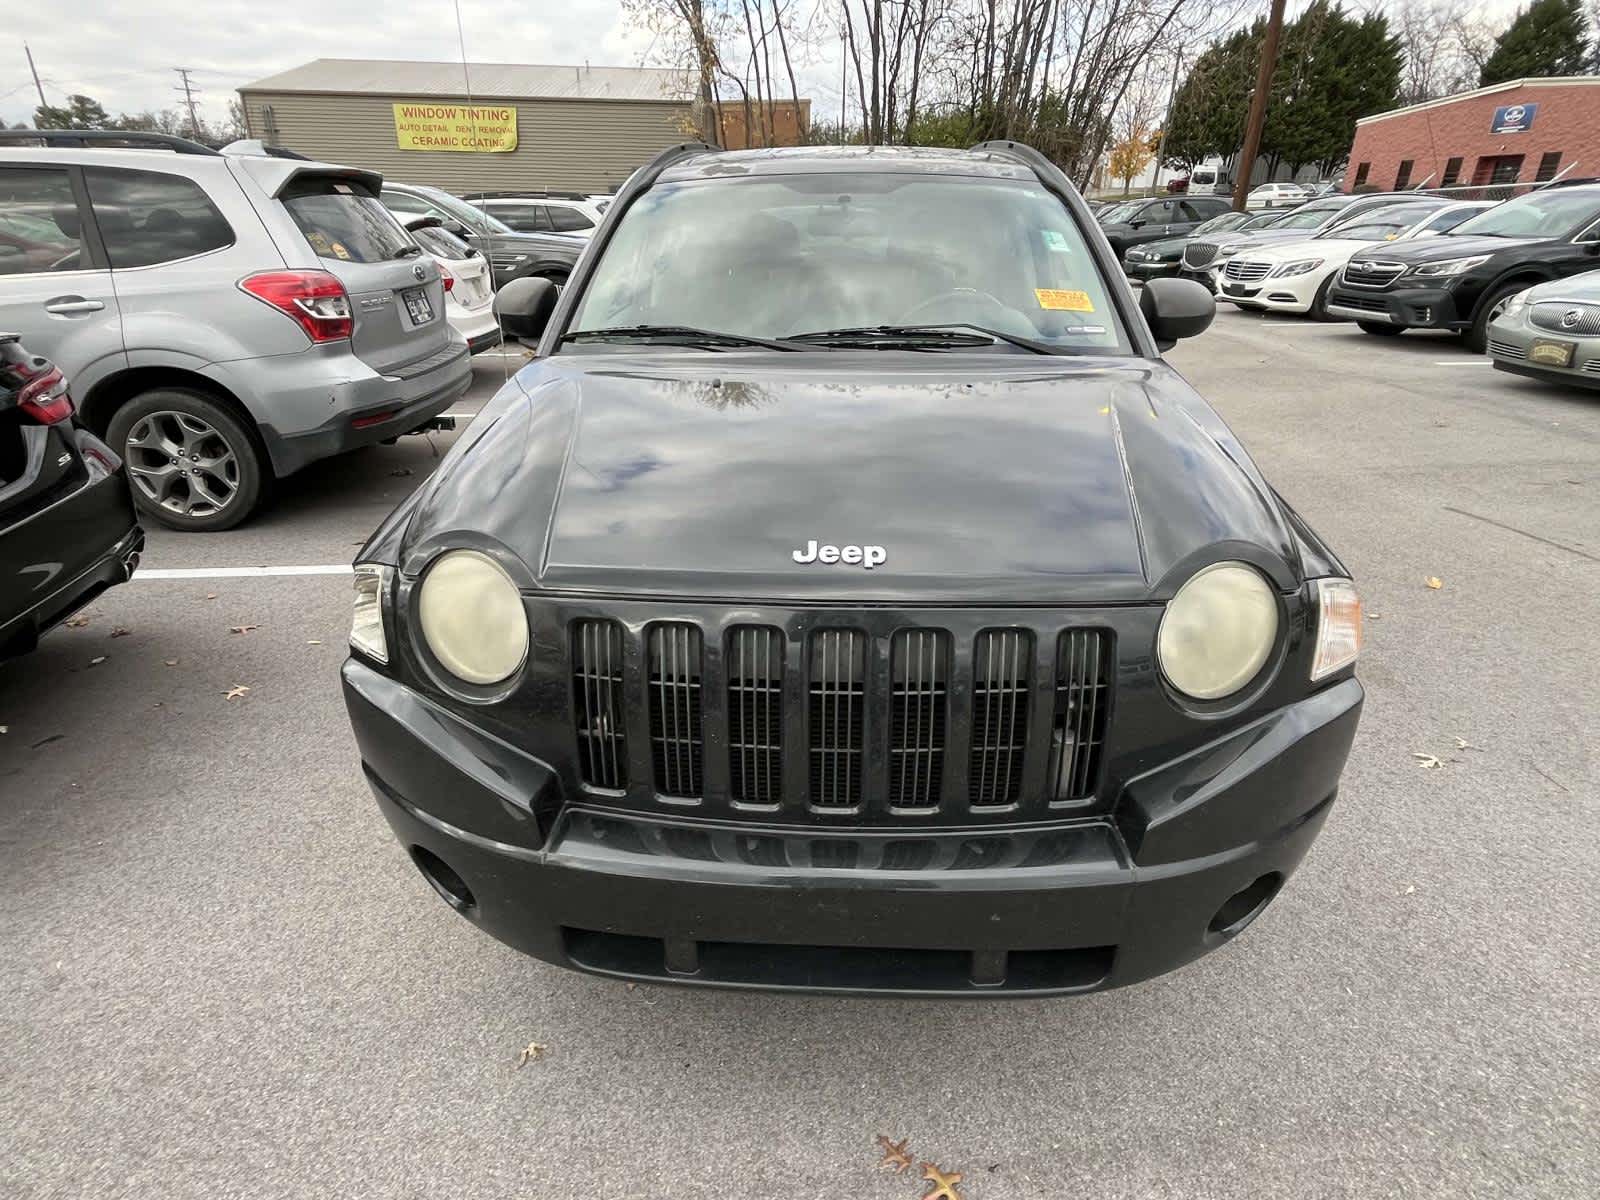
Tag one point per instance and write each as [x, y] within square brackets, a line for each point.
[1507, 168]
[1362, 171]
[1549, 164]
[1402, 177]
[1452, 173]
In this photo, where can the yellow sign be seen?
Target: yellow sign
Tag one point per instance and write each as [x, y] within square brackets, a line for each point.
[1054, 298]
[480, 129]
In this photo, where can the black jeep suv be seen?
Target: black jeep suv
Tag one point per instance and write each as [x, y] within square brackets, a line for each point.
[1461, 280]
[849, 597]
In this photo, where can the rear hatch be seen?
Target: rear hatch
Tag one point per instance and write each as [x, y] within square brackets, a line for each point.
[396, 292]
[472, 285]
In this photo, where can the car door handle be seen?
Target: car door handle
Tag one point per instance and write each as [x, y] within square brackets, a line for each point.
[66, 305]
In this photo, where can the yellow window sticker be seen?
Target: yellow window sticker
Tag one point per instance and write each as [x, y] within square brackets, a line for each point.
[338, 248]
[1055, 298]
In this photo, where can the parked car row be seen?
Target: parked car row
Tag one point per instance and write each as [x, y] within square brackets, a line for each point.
[1519, 279]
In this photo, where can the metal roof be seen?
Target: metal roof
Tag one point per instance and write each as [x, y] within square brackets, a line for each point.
[489, 81]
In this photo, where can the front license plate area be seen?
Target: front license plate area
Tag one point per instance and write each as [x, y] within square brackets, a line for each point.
[417, 305]
[1548, 352]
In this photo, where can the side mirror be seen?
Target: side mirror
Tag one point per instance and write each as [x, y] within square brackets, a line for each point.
[523, 307]
[1136, 224]
[1175, 309]
[1592, 248]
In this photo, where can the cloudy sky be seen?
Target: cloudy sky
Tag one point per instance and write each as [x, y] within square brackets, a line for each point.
[122, 52]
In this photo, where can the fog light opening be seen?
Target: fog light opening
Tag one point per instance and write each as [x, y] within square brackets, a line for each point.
[444, 880]
[1245, 905]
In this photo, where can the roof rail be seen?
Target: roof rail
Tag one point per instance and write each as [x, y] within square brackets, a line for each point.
[115, 139]
[526, 194]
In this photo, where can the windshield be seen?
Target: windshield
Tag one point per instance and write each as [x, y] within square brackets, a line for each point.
[1221, 224]
[469, 215]
[1307, 216]
[778, 256]
[1543, 214]
[1382, 226]
[1263, 220]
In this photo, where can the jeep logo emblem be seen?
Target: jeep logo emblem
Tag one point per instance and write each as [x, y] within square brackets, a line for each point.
[855, 556]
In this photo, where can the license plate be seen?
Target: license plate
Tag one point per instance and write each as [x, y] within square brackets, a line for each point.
[1550, 353]
[1233, 289]
[417, 305]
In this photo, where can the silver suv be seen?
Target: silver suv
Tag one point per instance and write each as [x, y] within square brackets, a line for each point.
[225, 317]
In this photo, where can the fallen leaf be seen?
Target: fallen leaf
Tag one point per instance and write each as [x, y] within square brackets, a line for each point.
[211, 595]
[171, 662]
[896, 1157]
[401, 472]
[532, 1052]
[1374, 616]
[313, 641]
[1410, 887]
[1434, 582]
[242, 628]
[944, 1186]
[1426, 761]
[158, 704]
[97, 660]
[1463, 744]
[119, 631]
[77, 622]
[235, 692]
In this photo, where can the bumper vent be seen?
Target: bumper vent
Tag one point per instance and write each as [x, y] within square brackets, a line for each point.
[597, 690]
[837, 689]
[1083, 708]
[755, 714]
[999, 716]
[676, 740]
[920, 682]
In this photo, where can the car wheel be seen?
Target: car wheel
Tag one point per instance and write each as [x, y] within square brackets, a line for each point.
[1378, 329]
[1493, 305]
[1319, 303]
[192, 464]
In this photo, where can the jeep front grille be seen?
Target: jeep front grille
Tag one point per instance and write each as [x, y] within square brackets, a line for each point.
[597, 687]
[827, 716]
[676, 742]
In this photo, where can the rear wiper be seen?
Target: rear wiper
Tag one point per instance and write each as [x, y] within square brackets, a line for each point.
[680, 335]
[955, 333]
[407, 251]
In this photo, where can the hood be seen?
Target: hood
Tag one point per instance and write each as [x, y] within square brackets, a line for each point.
[1234, 243]
[1583, 289]
[1165, 248]
[1445, 246]
[1337, 249]
[1083, 480]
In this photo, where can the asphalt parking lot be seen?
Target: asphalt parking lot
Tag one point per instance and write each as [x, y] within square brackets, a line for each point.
[224, 978]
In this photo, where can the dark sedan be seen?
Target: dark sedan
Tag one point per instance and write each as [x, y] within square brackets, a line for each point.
[1156, 259]
[512, 254]
[855, 600]
[1138, 221]
[1462, 280]
[67, 524]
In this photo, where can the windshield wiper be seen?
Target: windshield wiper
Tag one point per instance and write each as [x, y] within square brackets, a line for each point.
[679, 335]
[407, 251]
[954, 333]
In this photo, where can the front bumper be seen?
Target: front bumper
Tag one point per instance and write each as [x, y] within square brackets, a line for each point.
[1140, 270]
[1294, 294]
[1407, 308]
[1206, 275]
[1194, 849]
[1510, 347]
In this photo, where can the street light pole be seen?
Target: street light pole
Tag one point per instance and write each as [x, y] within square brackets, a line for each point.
[1258, 105]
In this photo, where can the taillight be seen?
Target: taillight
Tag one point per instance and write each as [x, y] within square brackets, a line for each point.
[314, 300]
[45, 399]
[449, 279]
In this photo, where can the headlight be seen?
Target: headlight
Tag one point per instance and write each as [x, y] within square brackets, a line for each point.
[1338, 627]
[1217, 631]
[1297, 268]
[1515, 305]
[366, 623]
[472, 617]
[1452, 266]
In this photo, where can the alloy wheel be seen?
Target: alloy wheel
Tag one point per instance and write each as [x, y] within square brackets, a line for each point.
[181, 464]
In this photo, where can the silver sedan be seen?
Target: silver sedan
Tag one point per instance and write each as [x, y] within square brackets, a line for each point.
[1551, 332]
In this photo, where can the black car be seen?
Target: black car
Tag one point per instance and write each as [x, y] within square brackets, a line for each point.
[67, 525]
[1138, 221]
[789, 622]
[1154, 259]
[1461, 280]
[513, 255]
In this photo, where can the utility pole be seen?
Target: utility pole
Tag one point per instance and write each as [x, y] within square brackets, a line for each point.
[188, 97]
[37, 85]
[1258, 105]
[1172, 101]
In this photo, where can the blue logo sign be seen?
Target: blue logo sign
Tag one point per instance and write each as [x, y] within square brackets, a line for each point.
[1514, 118]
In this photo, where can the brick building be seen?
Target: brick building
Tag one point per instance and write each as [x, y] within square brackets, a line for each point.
[1526, 131]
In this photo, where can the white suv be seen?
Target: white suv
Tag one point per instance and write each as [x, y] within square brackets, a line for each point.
[225, 317]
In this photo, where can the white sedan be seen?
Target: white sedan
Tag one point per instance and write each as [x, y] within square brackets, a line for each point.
[468, 283]
[1275, 195]
[1295, 276]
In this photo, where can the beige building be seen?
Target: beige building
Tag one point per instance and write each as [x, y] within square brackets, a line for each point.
[561, 128]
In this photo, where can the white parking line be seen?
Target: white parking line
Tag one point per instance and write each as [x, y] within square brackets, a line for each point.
[1462, 362]
[239, 572]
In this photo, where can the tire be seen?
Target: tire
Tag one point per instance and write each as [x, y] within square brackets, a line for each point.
[1319, 303]
[157, 430]
[1477, 338]
[1378, 329]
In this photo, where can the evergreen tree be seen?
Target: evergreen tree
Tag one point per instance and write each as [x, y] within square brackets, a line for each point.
[1549, 37]
[79, 112]
[1211, 105]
